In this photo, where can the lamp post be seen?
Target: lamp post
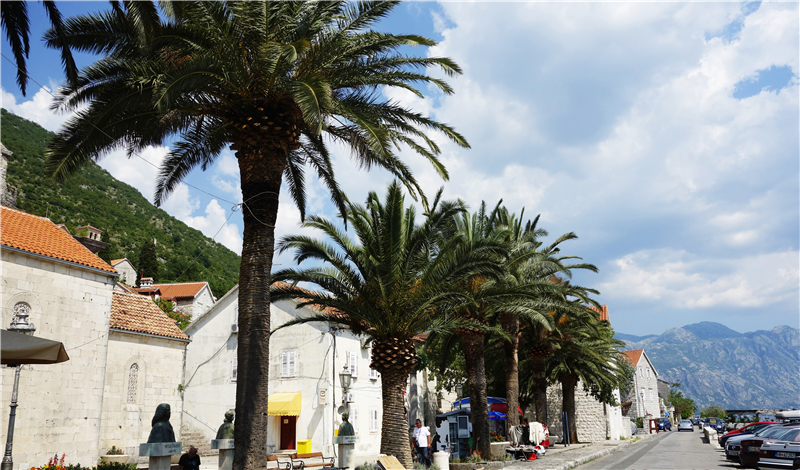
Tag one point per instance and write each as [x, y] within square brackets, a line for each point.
[344, 379]
[459, 391]
[19, 324]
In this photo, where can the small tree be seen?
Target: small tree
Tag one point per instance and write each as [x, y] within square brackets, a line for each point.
[148, 262]
[714, 411]
[168, 307]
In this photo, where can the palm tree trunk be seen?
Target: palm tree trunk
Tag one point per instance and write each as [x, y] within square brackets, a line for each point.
[261, 171]
[510, 324]
[476, 379]
[539, 378]
[395, 439]
[568, 385]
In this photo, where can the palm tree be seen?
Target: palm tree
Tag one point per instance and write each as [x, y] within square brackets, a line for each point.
[275, 81]
[17, 26]
[385, 285]
[585, 350]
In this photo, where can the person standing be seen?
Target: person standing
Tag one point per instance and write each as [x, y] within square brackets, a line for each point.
[189, 460]
[421, 440]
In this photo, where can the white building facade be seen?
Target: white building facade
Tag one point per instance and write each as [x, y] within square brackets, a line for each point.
[643, 394]
[304, 386]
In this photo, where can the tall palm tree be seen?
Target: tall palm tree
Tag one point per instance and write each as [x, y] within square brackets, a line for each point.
[275, 81]
[17, 26]
[585, 350]
[385, 285]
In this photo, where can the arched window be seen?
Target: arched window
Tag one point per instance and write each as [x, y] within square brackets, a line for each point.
[133, 376]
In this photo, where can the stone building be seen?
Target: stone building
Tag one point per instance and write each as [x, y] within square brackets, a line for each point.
[144, 369]
[642, 399]
[126, 270]
[8, 193]
[67, 291]
[304, 385]
[191, 298]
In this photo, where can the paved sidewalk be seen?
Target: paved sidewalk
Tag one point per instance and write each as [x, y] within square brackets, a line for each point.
[565, 458]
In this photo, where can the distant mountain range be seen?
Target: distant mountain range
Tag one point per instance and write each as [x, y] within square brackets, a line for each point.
[717, 365]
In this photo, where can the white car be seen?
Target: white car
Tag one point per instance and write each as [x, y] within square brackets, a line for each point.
[779, 454]
[685, 425]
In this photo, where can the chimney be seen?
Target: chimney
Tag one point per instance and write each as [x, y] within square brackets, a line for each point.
[90, 237]
[146, 283]
[8, 193]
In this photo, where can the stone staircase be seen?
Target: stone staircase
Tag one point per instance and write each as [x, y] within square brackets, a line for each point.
[193, 438]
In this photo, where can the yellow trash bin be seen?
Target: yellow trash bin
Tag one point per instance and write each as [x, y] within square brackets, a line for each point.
[304, 446]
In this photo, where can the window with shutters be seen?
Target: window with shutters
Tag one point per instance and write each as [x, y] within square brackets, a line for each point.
[289, 363]
[133, 379]
[354, 418]
[234, 367]
[353, 359]
[373, 420]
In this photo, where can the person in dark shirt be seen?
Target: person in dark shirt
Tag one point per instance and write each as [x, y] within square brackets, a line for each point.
[189, 460]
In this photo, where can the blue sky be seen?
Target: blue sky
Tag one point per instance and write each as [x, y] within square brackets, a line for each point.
[664, 134]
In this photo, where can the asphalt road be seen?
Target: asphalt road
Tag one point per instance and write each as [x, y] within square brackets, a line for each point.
[669, 450]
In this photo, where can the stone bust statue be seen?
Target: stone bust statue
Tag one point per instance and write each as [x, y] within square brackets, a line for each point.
[346, 429]
[162, 430]
[226, 430]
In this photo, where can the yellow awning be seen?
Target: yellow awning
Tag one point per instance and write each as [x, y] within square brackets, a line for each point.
[284, 404]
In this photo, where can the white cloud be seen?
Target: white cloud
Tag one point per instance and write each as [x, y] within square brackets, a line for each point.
[685, 280]
[37, 109]
[214, 224]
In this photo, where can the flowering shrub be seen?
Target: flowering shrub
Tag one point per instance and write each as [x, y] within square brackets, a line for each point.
[115, 451]
[496, 437]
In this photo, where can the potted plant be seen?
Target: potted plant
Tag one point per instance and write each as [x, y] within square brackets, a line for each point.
[114, 455]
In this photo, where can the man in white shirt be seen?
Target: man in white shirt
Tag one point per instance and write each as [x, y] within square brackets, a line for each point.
[422, 441]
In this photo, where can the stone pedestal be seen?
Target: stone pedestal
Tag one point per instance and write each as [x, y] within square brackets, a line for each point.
[347, 446]
[225, 447]
[160, 453]
[442, 460]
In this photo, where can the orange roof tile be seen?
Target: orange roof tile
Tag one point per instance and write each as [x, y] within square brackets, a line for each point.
[137, 313]
[603, 312]
[38, 235]
[634, 355]
[180, 290]
[115, 261]
[123, 288]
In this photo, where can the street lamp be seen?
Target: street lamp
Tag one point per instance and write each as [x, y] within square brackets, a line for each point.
[344, 379]
[19, 324]
[459, 391]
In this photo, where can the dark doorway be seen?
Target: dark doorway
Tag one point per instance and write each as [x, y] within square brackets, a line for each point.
[288, 429]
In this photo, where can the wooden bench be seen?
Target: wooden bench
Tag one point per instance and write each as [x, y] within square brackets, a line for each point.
[314, 459]
[278, 465]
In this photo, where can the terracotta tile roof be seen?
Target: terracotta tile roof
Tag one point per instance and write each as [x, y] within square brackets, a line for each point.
[151, 291]
[634, 355]
[123, 288]
[114, 262]
[180, 290]
[603, 311]
[137, 313]
[40, 236]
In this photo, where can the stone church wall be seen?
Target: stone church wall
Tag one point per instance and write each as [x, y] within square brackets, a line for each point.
[595, 421]
[153, 380]
[59, 404]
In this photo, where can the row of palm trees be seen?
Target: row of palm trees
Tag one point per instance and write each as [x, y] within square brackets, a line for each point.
[463, 278]
[278, 82]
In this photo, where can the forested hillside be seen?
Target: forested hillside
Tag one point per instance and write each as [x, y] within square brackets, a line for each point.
[93, 197]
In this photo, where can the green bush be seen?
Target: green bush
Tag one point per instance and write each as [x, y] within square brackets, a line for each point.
[116, 466]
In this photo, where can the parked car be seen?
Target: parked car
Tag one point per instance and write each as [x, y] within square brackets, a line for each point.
[685, 425]
[751, 428]
[664, 424]
[717, 423]
[774, 431]
[780, 453]
[750, 448]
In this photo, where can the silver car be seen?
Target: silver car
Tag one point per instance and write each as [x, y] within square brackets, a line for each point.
[685, 425]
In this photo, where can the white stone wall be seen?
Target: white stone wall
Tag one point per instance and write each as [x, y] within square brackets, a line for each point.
[595, 421]
[210, 391]
[127, 273]
[202, 302]
[160, 371]
[60, 404]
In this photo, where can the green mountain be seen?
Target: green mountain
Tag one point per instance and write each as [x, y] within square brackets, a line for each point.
[93, 197]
